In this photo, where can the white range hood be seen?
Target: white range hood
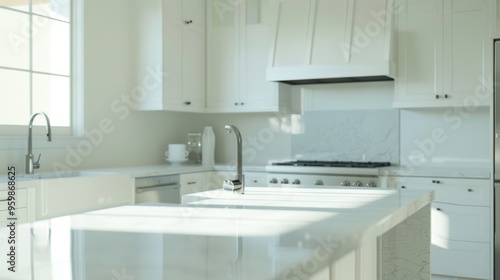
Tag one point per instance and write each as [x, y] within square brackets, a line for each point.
[328, 41]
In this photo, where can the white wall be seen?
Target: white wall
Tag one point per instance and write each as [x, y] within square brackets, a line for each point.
[135, 138]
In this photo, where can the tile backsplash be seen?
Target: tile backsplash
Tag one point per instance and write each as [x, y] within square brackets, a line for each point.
[354, 135]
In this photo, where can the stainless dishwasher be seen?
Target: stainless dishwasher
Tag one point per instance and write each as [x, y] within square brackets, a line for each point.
[162, 189]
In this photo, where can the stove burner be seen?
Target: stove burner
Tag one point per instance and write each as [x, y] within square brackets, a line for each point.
[333, 163]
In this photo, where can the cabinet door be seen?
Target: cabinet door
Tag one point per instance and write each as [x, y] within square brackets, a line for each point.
[420, 33]
[192, 183]
[462, 259]
[193, 58]
[462, 223]
[465, 31]
[223, 55]
[256, 93]
[172, 54]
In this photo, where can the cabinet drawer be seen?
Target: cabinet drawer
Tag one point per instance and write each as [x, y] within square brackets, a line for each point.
[255, 179]
[192, 183]
[461, 259]
[457, 191]
[21, 199]
[461, 223]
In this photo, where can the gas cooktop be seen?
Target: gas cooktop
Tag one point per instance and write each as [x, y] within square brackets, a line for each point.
[315, 163]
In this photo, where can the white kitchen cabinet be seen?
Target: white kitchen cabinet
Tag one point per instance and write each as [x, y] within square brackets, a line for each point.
[237, 55]
[256, 179]
[66, 196]
[171, 55]
[444, 54]
[192, 183]
[461, 224]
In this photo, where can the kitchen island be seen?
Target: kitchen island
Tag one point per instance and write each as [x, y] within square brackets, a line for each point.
[299, 234]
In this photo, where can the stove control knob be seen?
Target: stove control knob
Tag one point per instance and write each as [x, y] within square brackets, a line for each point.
[273, 181]
[318, 182]
[358, 184]
[371, 185]
[296, 182]
[284, 181]
[345, 183]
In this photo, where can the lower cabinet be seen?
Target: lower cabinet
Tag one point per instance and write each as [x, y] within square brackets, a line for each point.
[66, 196]
[192, 183]
[461, 225]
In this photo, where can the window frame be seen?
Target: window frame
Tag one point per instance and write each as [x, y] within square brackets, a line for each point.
[15, 136]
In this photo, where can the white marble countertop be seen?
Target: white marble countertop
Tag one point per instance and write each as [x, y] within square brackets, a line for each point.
[409, 171]
[201, 242]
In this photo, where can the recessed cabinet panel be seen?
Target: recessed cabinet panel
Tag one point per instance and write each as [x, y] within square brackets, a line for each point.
[461, 259]
[172, 44]
[418, 42]
[467, 45]
[461, 223]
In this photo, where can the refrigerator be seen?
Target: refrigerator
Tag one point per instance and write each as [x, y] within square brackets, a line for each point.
[497, 160]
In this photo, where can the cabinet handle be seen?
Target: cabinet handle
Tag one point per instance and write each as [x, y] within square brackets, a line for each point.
[470, 190]
[439, 209]
[191, 183]
[187, 102]
[236, 104]
[188, 21]
[242, 103]
[436, 181]
[403, 187]
[255, 181]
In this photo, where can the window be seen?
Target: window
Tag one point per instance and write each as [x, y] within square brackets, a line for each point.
[36, 64]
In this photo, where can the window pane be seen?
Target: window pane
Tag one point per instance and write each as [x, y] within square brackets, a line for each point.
[58, 9]
[51, 94]
[22, 5]
[14, 39]
[51, 46]
[14, 109]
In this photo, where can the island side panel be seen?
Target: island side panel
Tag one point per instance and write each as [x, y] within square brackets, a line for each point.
[404, 251]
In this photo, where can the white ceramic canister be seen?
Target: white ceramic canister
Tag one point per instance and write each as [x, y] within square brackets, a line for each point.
[208, 146]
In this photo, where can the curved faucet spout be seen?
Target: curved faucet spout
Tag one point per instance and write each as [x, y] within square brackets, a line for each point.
[30, 164]
[239, 159]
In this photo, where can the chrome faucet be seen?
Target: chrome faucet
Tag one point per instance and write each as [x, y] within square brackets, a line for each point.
[238, 184]
[30, 164]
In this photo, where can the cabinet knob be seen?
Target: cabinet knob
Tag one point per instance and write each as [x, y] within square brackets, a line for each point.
[446, 96]
[436, 181]
[187, 102]
[236, 104]
[439, 209]
[437, 96]
[242, 103]
[470, 190]
[403, 187]
[188, 21]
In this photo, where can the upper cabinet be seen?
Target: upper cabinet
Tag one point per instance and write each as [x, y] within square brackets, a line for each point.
[237, 52]
[171, 54]
[444, 53]
[324, 41]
